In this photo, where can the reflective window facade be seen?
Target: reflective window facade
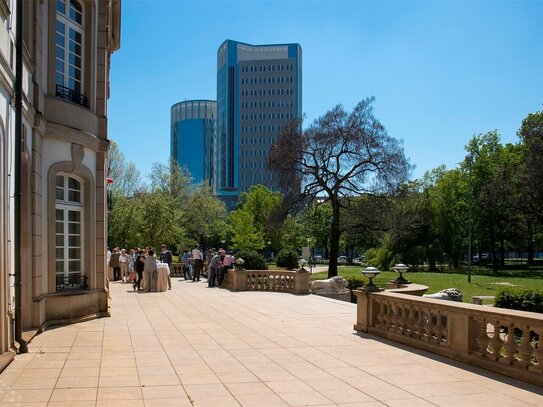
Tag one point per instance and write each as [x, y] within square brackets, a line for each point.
[193, 130]
[259, 89]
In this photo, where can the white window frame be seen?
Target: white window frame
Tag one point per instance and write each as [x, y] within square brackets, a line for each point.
[67, 206]
[69, 24]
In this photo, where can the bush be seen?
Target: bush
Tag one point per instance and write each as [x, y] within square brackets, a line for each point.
[253, 260]
[520, 299]
[381, 258]
[287, 258]
[354, 283]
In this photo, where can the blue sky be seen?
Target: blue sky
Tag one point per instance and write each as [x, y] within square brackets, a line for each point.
[440, 71]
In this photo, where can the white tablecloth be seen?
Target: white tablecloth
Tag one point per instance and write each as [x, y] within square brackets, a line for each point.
[161, 283]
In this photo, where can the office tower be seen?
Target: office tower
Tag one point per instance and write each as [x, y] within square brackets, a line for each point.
[259, 89]
[193, 124]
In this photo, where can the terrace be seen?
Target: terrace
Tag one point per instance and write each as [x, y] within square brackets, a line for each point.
[199, 346]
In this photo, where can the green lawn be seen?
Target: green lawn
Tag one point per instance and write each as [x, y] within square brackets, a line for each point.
[483, 282]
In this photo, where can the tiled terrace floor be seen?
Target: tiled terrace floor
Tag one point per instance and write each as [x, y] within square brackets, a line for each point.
[211, 347]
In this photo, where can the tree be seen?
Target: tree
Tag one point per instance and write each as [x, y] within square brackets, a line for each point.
[531, 134]
[126, 176]
[244, 235]
[339, 156]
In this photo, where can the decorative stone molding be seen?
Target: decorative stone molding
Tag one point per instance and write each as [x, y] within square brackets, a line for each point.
[78, 152]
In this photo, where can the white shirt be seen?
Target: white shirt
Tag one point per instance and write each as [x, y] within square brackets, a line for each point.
[197, 255]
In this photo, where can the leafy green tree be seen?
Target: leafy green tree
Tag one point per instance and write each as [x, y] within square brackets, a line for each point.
[531, 135]
[243, 233]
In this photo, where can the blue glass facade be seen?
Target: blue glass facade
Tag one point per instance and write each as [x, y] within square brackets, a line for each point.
[193, 132]
[259, 89]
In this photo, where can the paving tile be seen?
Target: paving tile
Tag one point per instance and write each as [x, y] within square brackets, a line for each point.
[260, 400]
[159, 380]
[289, 386]
[120, 403]
[119, 381]
[79, 394]
[163, 392]
[72, 403]
[34, 383]
[77, 382]
[304, 398]
[248, 388]
[26, 396]
[177, 402]
[119, 393]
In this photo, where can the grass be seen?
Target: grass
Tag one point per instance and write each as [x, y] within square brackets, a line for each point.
[483, 282]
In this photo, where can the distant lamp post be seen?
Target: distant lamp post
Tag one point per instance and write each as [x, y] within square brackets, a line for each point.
[400, 269]
[469, 158]
[310, 256]
[370, 273]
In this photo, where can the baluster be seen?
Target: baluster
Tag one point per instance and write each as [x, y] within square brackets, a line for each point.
[509, 346]
[538, 355]
[420, 323]
[412, 323]
[439, 328]
[525, 349]
[482, 340]
[496, 342]
[390, 317]
[386, 321]
[403, 322]
[381, 315]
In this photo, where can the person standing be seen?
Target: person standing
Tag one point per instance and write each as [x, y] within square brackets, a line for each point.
[115, 264]
[214, 266]
[131, 271]
[149, 270]
[139, 265]
[227, 264]
[166, 257]
[186, 265]
[198, 261]
[123, 263]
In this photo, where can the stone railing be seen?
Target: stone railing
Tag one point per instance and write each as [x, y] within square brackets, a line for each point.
[267, 280]
[176, 270]
[501, 340]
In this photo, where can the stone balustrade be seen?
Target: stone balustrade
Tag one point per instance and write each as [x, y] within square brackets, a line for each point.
[267, 280]
[501, 340]
[176, 270]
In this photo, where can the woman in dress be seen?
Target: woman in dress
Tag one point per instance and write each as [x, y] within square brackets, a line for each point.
[149, 270]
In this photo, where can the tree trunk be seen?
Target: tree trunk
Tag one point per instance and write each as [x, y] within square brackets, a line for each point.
[335, 235]
[502, 252]
[530, 243]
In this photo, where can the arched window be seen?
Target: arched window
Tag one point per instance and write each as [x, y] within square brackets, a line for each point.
[69, 45]
[69, 232]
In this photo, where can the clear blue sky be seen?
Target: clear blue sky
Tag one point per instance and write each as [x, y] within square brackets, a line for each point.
[440, 71]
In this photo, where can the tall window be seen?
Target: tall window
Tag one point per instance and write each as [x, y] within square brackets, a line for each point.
[68, 228]
[69, 45]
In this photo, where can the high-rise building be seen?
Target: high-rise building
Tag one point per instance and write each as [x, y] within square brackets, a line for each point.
[193, 126]
[259, 89]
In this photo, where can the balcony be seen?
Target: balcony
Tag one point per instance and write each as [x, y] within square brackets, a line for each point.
[71, 95]
[73, 282]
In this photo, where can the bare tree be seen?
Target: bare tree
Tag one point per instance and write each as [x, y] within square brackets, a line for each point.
[341, 155]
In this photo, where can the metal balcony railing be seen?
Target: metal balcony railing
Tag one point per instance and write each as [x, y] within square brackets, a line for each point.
[73, 282]
[70, 94]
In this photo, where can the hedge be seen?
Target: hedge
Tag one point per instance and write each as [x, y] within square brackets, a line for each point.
[526, 299]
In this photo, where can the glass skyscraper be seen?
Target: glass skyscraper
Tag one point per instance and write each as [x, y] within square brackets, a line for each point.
[259, 89]
[193, 130]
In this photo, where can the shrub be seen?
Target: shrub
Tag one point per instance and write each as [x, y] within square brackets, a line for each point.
[520, 299]
[381, 258]
[287, 258]
[253, 260]
[354, 283]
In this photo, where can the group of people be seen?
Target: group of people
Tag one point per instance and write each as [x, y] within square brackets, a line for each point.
[215, 263]
[133, 266]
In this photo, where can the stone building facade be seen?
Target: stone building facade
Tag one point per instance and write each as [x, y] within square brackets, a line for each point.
[67, 45]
